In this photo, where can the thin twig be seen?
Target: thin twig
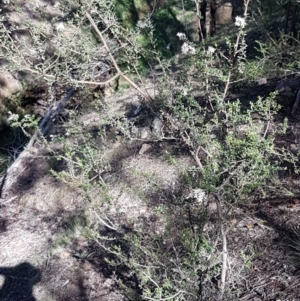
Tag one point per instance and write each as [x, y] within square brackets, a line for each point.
[267, 129]
[194, 154]
[104, 222]
[224, 249]
[143, 93]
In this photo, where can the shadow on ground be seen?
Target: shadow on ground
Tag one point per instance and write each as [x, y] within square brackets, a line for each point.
[19, 282]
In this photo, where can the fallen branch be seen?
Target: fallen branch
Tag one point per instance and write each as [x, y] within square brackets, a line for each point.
[20, 165]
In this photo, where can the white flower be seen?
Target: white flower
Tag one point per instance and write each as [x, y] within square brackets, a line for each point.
[199, 195]
[6, 1]
[56, 4]
[239, 21]
[187, 49]
[13, 117]
[211, 50]
[60, 26]
[181, 36]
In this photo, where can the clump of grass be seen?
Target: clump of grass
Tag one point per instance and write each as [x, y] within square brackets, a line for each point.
[294, 244]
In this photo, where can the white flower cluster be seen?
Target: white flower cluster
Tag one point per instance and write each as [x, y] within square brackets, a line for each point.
[211, 50]
[142, 24]
[199, 195]
[181, 36]
[240, 22]
[13, 117]
[187, 49]
[6, 1]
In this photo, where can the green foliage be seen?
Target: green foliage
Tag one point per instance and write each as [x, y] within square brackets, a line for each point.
[84, 157]
[170, 261]
[28, 123]
[164, 19]
[237, 149]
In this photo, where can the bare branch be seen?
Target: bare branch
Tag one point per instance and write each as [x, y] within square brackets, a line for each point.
[143, 93]
[104, 222]
[224, 249]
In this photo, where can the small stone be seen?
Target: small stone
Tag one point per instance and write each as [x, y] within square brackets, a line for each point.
[64, 255]
[157, 125]
[144, 133]
[295, 149]
[145, 147]
[262, 81]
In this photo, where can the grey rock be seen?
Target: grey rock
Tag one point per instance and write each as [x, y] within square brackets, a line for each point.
[157, 126]
[145, 133]
[145, 147]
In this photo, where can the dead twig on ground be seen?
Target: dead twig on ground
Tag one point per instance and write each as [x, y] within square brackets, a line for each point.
[224, 249]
